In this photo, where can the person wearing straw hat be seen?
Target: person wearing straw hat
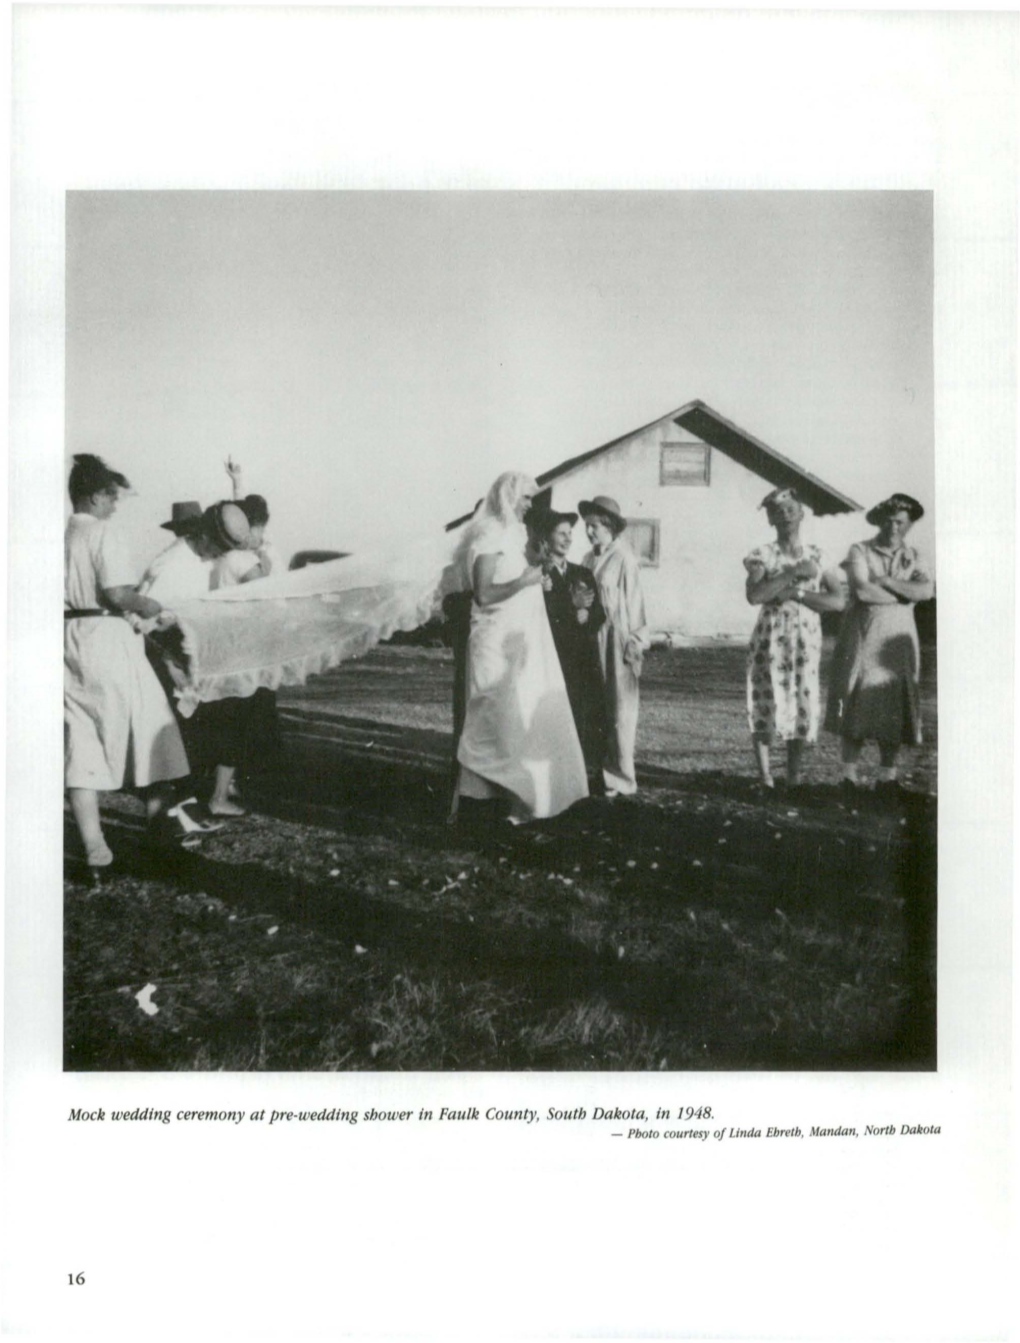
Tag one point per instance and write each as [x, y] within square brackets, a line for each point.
[118, 726]
[787, 579]
[622, 640]
[874, 694]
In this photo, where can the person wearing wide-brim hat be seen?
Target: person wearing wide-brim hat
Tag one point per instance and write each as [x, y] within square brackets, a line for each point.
[874, 693]
[787, 579]
[575, 618]
[216, 733]
[185, 517]
[622, 640]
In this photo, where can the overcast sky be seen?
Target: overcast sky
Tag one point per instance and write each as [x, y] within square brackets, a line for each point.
[374, 359]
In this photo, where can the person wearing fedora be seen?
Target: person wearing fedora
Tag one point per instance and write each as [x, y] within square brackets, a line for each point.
[575, 618]
[118, 726]
[873, 694]
[216, 733]
[622, 639]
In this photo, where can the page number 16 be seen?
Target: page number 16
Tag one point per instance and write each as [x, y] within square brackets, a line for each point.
[76, 1279]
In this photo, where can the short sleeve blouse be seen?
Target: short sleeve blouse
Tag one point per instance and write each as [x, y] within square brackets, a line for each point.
[770, 558]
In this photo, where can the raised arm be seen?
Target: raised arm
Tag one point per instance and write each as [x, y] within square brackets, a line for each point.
[487, 591]
[233, 470]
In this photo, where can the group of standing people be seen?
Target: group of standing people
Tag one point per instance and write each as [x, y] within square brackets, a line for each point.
[873, 691]
[121, 647]
[547, 682]
[553, 658]
[546, 708]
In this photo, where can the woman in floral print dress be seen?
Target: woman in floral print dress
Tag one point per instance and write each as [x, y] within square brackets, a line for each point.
[788, 580]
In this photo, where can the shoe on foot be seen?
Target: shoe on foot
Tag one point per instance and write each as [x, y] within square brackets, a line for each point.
[98, 854]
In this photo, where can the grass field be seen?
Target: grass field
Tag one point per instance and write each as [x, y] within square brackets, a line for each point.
[343, 925]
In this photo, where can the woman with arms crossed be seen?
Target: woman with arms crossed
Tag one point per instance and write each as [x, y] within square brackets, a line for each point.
[787, 580]
[876, 669]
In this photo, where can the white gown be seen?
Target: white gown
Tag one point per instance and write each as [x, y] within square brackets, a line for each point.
[519, 736]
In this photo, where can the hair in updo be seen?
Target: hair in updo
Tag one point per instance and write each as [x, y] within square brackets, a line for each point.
[90, 475]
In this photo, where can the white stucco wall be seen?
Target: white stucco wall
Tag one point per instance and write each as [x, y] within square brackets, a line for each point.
[697, 588]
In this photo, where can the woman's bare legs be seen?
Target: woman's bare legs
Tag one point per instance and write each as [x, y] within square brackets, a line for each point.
[794, 760]
[761, 755]
[887, 756]
[220, 803]
[851, 753]
[85, 809]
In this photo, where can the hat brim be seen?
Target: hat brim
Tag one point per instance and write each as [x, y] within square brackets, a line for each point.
[875, 516]
[548, 518]
[586, 508]
[185, 527]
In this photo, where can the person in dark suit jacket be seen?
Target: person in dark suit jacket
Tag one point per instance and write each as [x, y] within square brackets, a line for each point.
[575, 616]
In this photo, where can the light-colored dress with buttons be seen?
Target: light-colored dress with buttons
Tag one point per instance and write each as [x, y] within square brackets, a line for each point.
[783, 695]
[876, 667]
[118, 726]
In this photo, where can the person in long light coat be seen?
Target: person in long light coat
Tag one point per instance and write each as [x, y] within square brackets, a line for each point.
[519, 745]
[118, 726]
[623, 638]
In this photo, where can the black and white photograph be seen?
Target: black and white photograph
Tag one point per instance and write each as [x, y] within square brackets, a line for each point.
[510, 644]
[632, 764]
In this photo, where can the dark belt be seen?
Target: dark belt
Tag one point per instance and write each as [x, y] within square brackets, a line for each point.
[84, 614]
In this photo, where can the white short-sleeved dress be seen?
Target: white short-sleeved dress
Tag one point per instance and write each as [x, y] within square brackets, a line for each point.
[118, 725]
[519, 737]
[783, 694]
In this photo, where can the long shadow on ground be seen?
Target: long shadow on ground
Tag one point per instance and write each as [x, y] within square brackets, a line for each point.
[714, 845]
[547, 966]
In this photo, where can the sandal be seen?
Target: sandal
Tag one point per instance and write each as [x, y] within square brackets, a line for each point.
[177, 825]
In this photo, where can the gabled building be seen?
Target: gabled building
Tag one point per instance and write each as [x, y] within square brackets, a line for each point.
[690, 484]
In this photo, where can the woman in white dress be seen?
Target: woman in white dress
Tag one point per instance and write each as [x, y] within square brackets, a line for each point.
[623, 638]
[118, 726]
[519, 742]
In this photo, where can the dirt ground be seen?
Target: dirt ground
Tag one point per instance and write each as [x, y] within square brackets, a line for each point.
[342, 924]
